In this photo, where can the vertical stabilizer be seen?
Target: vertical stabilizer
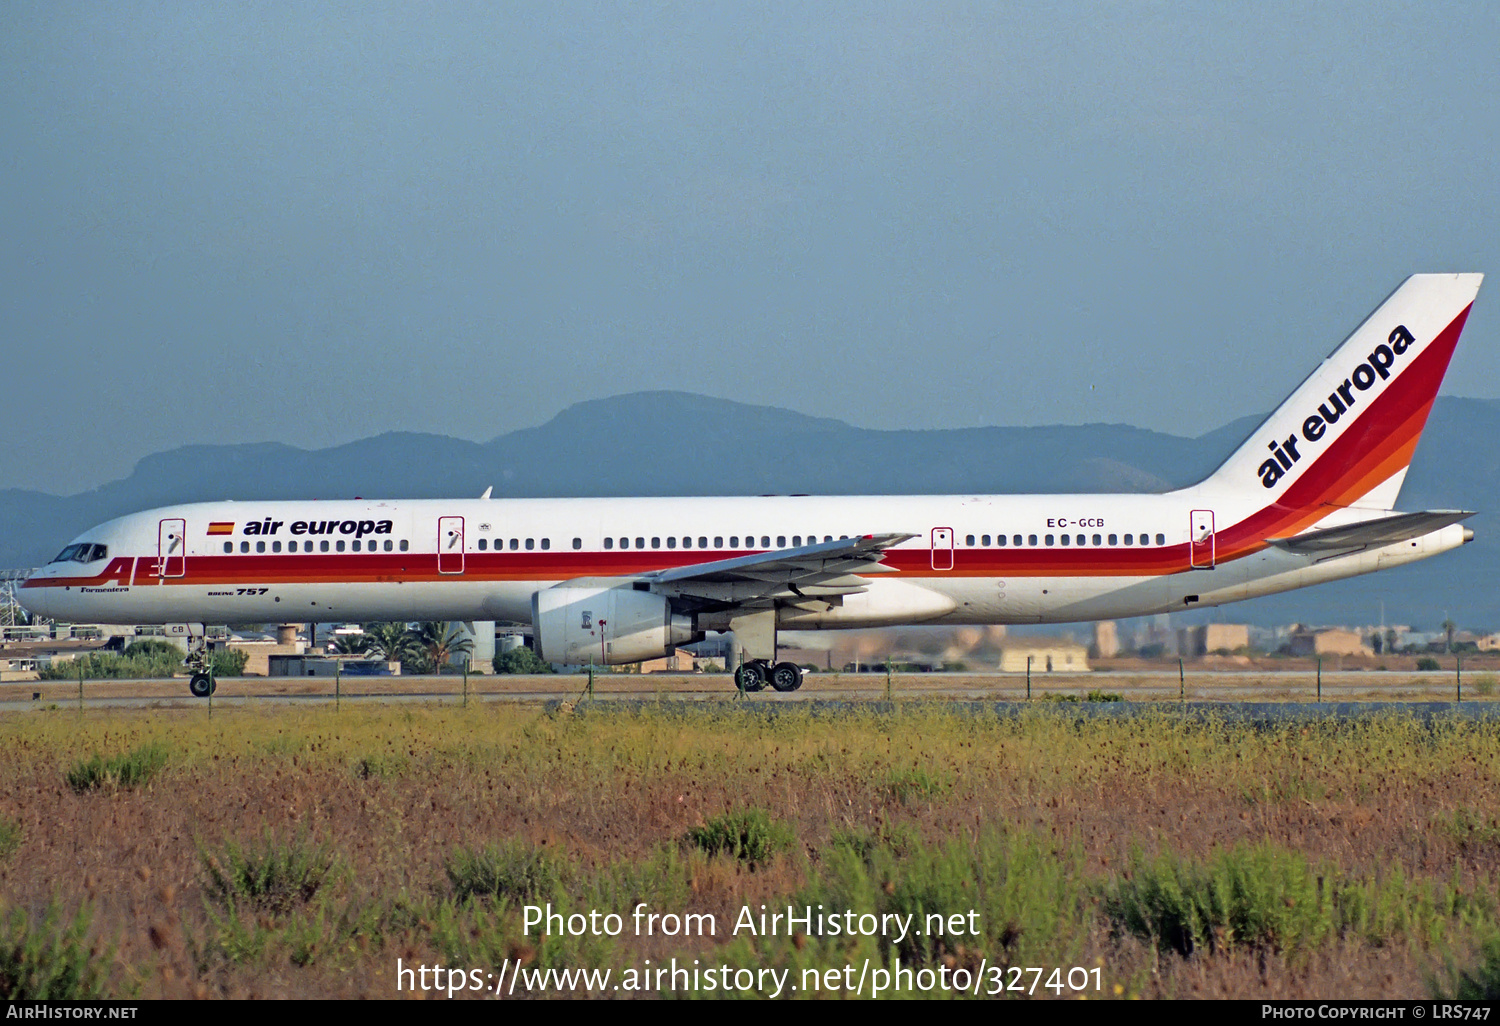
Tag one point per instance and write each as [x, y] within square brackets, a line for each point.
[1345, 437]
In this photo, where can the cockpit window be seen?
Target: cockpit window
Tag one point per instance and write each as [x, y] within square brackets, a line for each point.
[82, 553]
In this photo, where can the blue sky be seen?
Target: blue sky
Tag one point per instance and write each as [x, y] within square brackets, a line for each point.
[312, 223]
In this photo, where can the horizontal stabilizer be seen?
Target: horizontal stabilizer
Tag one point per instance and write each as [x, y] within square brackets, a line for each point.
[1366, 533]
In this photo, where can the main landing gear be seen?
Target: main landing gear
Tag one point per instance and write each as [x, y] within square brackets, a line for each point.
[201, 683]
[757, 673]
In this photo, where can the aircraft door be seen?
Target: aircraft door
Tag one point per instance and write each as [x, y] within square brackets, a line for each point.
[450, 545]
[942, 548]
[1201, 533]
[171, 548]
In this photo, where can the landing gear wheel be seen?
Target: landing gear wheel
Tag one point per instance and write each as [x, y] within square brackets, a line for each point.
[752, 676]
[786, 677]
[202, 685]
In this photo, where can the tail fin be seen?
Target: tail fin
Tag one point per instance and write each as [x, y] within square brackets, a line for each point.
[1346, 435]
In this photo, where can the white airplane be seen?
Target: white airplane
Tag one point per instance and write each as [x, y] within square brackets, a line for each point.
[1309, 497]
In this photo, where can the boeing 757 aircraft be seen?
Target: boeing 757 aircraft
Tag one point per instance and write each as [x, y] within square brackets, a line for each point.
[1309, 497]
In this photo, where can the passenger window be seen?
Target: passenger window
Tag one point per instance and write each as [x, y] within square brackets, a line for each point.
[765, 541]
[1082, 540]
[1049, 539]
[577, 543]
[276, 546]
[609, 543]
[671, 542]
[656, 543]
[515, 543]
[687, 543]
[530, 544]
[624, 543]
[244, 546]
[1064, 539]
[1030, 539]
[828, 537]
[1098, 540]
[1130, 539]
[339, 545]
[640, 543]
[1161, 539]
[546, 543]
[1114, 539]
[781, 541]
[1000, 540]
[229, 546]
[734, 541]
[718, 541]
[404, 545]
[356, 545]
[984, 539]
[969, 539]
[483, 544]
[796, 541]
[388, 545]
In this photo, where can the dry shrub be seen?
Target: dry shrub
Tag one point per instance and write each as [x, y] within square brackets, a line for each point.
[270, 877]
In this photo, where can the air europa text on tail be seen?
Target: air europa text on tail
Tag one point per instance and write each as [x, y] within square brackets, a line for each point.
[1342, 399]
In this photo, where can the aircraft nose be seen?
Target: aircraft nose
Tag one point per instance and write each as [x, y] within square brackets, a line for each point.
[30, 599]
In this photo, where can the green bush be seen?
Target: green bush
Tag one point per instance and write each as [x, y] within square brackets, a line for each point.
[1253, 895]
[128, 770]
[750, 835]
[152, 648]
[11, 836]
[521, 660]
[1485, 684]
[1428, 663]
[916, 783]
[511, 869]
[228, 662]
[271, 877]
[51, 960]
[1097, 695]
[1480, 982]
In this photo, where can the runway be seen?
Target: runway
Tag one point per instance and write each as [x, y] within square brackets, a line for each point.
[1222, 691]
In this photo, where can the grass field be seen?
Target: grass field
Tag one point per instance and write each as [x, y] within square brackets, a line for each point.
[302, 851]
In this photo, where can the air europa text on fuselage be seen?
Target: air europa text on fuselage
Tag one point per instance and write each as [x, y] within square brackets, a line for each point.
[1340, 401]
[358, 528]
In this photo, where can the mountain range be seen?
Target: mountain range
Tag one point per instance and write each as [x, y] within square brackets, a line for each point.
[674, 443]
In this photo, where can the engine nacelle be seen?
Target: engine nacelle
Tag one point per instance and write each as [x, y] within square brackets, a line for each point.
[605, 626]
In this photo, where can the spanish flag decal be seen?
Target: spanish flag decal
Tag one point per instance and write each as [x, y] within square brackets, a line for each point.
[221, 527]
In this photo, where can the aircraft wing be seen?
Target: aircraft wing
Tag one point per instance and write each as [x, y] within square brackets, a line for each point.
[821, 570]
[1377, 532]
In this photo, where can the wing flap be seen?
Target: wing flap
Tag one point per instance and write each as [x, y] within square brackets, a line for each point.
[823, 569]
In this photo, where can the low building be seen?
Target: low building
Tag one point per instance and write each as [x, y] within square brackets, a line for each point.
[1213, 637]
[1328, 641]
[680, 661]
[1046, 655]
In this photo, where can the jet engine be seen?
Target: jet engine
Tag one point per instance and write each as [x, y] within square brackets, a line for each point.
[606, 626]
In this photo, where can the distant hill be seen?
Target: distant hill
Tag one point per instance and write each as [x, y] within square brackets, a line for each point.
[673, 443]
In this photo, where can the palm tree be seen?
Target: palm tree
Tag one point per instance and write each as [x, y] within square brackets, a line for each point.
[351, 644]
[394, 641]
[440, 641]
[1448, 628]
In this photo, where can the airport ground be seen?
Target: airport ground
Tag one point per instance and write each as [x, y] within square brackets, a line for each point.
[1133, 685]
[301, 849]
